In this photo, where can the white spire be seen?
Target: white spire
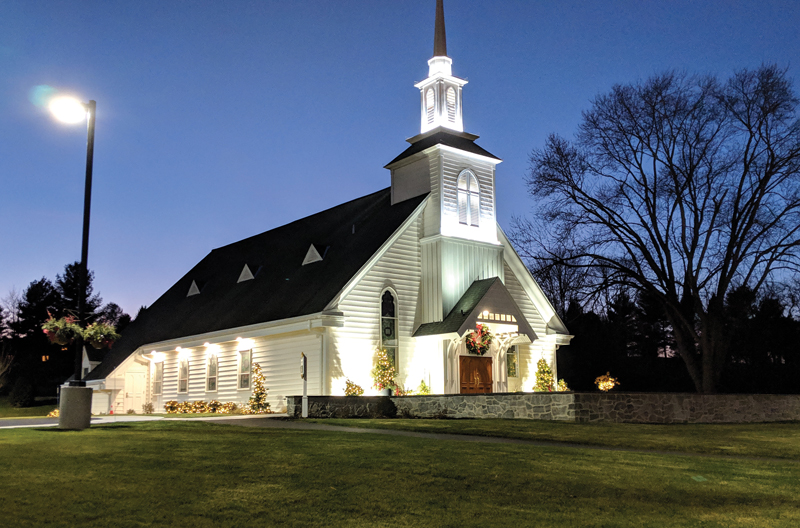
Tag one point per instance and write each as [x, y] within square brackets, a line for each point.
[440, 92]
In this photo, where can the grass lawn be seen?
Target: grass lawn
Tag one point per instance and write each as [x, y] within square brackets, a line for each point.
[38, 409]
[170, 473]
[773, 440]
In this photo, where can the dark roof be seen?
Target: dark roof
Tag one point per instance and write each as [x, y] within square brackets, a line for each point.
[442, 136]
[439, 36]
[486, 294]
[282, 289]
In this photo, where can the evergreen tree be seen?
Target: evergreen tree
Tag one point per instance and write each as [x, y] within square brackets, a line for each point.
[545, 381]
[258, 401]
[68, 286]
[383, 373]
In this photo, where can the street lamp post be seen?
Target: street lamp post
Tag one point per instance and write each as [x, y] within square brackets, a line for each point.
[76, 399]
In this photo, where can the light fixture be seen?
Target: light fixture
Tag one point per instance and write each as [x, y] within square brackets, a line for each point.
[68, 109]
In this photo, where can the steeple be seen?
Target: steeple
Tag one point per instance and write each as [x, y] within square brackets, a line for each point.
[440, 92]
[439, 36]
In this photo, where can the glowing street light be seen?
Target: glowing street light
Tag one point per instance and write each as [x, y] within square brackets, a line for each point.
[76, 400]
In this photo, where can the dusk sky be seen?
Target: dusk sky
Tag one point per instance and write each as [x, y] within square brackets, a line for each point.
[220, 120]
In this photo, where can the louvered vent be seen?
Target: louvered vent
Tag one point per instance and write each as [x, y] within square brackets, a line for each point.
[451, 105]
[429, 104]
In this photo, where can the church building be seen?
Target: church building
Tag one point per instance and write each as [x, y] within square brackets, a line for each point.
[411, 269]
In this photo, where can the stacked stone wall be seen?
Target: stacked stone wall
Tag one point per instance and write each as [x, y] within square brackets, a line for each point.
[564, 406]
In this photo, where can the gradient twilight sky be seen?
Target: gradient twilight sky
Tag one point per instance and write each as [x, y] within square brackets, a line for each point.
[220, 120]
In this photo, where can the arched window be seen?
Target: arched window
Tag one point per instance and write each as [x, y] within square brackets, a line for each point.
[389, 341]
[451, 104]
[429, 104]
[469, 198]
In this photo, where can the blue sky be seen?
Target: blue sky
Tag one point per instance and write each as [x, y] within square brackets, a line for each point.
[220, 120]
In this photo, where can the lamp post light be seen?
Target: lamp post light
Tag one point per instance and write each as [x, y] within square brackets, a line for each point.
[76, 400]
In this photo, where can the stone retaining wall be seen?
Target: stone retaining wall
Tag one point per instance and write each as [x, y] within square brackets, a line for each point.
[564, 406]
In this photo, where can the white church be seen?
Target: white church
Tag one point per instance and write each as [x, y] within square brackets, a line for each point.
[411, 269]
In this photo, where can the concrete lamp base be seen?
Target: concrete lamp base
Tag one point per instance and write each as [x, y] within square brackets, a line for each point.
[75, 410]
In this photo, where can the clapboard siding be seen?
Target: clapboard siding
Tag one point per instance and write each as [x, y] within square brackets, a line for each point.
[529, 355]
[464, 262]
[278, 357]
[354, 345]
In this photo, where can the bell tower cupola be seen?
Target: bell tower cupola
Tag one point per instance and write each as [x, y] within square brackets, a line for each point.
[440, 93]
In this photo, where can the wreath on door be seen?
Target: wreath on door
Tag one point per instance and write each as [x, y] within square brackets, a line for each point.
[479, 340]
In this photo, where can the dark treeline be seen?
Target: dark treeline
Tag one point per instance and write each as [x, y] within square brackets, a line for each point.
[29, 363]
[631, 338]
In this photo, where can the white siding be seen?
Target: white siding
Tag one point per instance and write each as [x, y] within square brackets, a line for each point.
[353, 347]
[279, 357]
[464, 262]
[529, 354]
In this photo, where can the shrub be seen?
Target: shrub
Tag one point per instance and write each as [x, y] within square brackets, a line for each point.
[171, 407]
[22, 393]
[229, 408]
[352, 389]
[130, 411]
[605, 382]
[199, 407]
[544, 377]
[423, 389]
[148, 408]
[185, 407]
[562, 386]
[53, 414]
[214, 406]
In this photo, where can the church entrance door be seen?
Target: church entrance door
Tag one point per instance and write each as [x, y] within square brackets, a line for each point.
[476, 375]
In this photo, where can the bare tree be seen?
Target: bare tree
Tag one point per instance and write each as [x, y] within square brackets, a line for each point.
[683, 188]
[10, 305]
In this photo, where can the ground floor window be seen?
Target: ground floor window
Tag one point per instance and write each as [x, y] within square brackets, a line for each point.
[158, 378]
[389, 341]
[211, 373]
[512, 362]
[244, 368]
[183, 375]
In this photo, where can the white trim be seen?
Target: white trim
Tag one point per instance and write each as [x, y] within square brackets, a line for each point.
[540, 301]
[208, 371]
[239, 370]
[376, 257]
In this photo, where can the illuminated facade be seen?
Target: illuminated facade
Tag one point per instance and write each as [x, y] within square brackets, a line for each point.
[411, 270]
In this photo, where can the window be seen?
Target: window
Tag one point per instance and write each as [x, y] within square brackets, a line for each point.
[512, 362]
[429, 104]
[244, 368]
[158, 379]
[451, 105]
[183, 375]
[211, 373]
[85, 371]
[389, 325]
[469, 198]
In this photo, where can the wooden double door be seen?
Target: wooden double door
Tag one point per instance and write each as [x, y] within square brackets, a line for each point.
[475, 374]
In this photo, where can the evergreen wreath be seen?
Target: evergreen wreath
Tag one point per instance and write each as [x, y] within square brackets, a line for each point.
[479, 340]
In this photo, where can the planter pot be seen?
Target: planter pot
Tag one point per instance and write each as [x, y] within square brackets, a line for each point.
[59, 339]
[386, 392]
[97, 344]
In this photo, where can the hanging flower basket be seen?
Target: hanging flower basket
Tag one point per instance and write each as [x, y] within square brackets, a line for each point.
[61, 331]
[100, 335]
[479, 340]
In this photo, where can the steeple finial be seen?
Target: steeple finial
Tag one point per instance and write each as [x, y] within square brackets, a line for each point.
[439, 37]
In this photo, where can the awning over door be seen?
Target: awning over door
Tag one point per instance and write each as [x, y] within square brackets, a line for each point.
[485, 301]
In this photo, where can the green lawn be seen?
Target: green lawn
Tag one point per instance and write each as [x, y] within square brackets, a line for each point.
[171, 473]
[39, 409]
[775, 440]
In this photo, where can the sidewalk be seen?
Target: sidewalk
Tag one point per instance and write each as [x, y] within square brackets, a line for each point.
[15, 423]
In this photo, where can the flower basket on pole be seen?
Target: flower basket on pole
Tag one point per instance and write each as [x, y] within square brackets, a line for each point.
[62, 331]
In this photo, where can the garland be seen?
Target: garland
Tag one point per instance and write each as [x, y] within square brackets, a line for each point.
[478, 341]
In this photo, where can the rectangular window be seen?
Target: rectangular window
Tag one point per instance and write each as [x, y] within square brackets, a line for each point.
[211, 373]
[244, 368]
[183, 375]
[158, 379]
[512, 359]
